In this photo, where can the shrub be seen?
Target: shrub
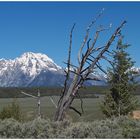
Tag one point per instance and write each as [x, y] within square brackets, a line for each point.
[108, 128]
[130, 128]
[122, 127]
[10, 128]
[38, 128]
[12, 111]
[96, 129]
[60, 128]
[80, 130]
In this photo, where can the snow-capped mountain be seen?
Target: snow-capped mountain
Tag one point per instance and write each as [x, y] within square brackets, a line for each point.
[137, 75]
[35, 69]
[137, 70]
[28, 68]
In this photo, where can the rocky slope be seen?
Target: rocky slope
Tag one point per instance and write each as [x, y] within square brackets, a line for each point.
[36, 69]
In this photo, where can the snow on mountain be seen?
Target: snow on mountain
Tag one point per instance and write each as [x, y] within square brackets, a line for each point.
[36, 69]
[23, 70]
[137, 75]
[137, 70]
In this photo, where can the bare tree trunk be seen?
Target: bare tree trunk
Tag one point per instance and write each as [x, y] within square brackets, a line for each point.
[87, 63]
[61, 111]
[66, 101]
[38, 101]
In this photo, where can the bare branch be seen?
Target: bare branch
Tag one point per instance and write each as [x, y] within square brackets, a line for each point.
[75, 110]
[53, 102]
[95, 40]
[76, 73]
[81, 102]
[95, 79]
[71, 65]
[87, 34]
[101, 69]
[109, 53]
[94, 58]
[69, 54]
[69, 58]
[96, 37]
[82, 72]
[85, 69]
[68, 66]
[35, 97]
[97, 49]
[88, 63]
[108, 44]
[29, 95]
[88, 43]
[107, 60]
[99, 56]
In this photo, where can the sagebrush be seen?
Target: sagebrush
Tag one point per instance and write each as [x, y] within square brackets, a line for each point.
[122, 127]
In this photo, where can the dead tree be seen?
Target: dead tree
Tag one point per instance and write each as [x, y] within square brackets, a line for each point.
[88, 60]
[38, 100]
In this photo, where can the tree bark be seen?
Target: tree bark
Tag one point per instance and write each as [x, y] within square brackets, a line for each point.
[61, 110]
[82, 72]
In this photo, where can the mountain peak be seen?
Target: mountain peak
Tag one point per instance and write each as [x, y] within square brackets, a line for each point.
[22, 70]
[34, 63]
[31, 55]
[36, 69]
[135, 69]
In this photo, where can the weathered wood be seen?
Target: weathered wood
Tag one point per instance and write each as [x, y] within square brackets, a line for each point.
[82, 71]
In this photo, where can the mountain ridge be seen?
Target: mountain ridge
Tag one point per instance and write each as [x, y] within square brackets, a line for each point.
[22, 70]
[37, 69]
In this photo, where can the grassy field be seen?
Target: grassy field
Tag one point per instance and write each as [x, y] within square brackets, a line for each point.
[29, 107]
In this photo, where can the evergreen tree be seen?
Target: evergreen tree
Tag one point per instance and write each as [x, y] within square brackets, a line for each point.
[120, 100]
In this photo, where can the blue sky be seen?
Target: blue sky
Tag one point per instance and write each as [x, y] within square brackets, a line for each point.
[44, 27]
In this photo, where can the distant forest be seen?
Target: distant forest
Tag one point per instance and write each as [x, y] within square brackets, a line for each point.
[87, 92]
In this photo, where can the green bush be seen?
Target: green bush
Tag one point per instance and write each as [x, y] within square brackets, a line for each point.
[38, 128]
[122, 127]
[80, 130]
[130, 128]
[10, 128]
[108, 128]
[12, 111]
[97, 129]
[60, 128]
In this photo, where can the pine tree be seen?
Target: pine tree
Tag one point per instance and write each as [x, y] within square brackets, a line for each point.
[120, 100]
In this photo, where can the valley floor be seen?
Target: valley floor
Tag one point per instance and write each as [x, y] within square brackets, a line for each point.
[29, 107]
